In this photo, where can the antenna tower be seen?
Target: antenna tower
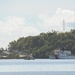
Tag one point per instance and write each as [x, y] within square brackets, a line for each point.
[63, 25]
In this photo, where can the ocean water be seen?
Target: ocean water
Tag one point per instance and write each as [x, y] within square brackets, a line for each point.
[37, 67]
[38, 73]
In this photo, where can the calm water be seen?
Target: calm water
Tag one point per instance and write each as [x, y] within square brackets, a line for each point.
[37, 67]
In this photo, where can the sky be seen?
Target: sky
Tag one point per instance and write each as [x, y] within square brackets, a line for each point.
[22, 18]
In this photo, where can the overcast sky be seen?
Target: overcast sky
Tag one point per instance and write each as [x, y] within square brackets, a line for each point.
[21, 18]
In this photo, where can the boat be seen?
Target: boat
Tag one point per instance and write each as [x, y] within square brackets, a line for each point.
[62, 54]
[30, 57]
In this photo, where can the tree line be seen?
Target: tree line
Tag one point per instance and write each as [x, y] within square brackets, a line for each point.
[44, 44]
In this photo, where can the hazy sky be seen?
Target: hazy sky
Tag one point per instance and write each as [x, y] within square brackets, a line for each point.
[21, 18]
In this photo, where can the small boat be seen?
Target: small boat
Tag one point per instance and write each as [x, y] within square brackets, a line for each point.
[62, 54]
[29, 57]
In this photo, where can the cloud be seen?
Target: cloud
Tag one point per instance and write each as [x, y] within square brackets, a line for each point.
[10, 24]
[67, 15]
[55, 22]
[11, 28]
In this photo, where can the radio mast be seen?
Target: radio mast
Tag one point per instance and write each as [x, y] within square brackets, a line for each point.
[63, 26]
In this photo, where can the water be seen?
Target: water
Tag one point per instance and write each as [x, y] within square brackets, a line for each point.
[37, 67]
[38, 73]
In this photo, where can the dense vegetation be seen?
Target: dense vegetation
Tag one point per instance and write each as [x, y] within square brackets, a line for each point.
[44, 44]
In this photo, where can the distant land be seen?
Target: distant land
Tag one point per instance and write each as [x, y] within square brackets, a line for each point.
[40, 46]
